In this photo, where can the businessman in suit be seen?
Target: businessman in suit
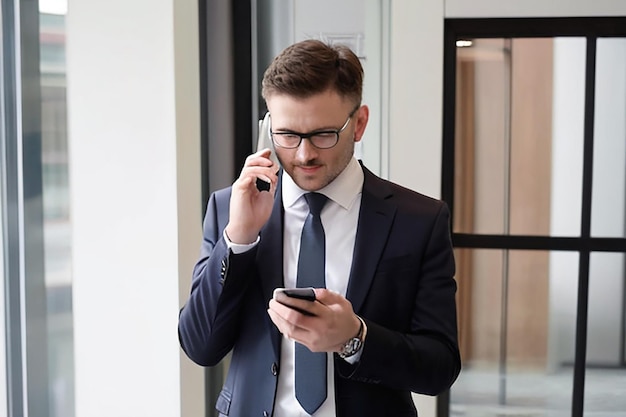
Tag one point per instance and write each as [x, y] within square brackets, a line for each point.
[383, 322]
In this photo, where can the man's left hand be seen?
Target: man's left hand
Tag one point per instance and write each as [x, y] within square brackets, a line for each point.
[331, 324]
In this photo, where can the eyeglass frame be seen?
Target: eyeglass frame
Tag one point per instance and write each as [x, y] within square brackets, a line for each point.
[310, 135]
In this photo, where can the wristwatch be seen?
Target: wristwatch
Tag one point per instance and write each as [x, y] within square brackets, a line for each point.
[352, 346]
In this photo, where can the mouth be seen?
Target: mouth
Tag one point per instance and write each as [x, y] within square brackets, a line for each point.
[309, 169]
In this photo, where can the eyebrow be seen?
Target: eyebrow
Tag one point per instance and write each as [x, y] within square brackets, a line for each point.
[319, 129]
[289, 131]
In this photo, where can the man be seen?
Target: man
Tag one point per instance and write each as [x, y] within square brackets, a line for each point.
[384, 318]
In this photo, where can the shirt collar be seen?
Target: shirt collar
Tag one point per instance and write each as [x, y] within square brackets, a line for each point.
[342, 190]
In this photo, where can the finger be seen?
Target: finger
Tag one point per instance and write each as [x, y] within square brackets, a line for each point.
[327, 297]
[256, 169]
[285, 327]
[303, 306]
[278, 321]
[286, 313]
[261, 158]
[298, 324]
[265, 152]
[259, 178]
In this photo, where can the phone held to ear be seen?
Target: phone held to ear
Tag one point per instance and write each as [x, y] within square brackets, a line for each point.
[282, 295]
[264, 141]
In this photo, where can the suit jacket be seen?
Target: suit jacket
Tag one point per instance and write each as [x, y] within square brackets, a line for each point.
[401, 283]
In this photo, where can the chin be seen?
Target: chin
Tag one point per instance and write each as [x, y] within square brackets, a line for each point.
[309, 184]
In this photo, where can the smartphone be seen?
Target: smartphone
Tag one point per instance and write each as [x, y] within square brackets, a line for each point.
[308, 294]
[299, 293]
[262, 185]
[264, 141]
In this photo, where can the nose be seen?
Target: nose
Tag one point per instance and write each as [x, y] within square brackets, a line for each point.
[306, 151]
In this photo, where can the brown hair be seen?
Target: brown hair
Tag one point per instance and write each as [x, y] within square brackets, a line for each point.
[311, 67]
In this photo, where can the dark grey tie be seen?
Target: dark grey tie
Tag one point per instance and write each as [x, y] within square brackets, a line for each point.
[310, 366]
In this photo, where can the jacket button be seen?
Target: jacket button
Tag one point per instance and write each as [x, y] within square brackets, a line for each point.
[274, 369]
[266, 414]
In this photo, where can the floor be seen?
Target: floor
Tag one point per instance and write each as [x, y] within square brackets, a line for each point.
[480, 394]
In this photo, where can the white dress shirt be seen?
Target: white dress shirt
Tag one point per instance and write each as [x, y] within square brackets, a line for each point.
[339, 218]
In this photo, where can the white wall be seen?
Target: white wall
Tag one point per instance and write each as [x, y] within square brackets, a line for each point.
[416, 94]
[134, 174]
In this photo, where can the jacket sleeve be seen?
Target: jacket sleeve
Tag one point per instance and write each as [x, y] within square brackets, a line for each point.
[424, 357]
[209, 321]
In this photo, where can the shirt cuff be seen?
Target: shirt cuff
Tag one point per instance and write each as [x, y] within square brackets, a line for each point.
[237, 248]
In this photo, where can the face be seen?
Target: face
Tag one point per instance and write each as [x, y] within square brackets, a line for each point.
[312, 168]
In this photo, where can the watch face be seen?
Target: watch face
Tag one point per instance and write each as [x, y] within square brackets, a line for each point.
[351, 347]
[354, 344]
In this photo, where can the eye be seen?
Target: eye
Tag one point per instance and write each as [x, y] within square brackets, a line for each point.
[325, 135]
[289, 136]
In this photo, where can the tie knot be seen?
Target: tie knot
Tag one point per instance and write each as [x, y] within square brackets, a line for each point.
[316, 202]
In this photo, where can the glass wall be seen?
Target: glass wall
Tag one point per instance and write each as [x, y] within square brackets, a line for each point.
[507, 132]
[605, 368]
[609, 168]
[35, 238]
[56, 214]
[511, 341]
[535, 172]
[3, 356]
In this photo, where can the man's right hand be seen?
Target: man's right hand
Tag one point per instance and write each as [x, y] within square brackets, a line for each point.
[250, 208]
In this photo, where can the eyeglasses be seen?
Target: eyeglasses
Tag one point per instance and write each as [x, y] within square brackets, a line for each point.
[321, 139]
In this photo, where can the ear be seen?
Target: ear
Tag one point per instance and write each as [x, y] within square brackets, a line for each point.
[362, 116]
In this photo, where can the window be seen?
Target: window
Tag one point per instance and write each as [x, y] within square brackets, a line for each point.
[534, 160]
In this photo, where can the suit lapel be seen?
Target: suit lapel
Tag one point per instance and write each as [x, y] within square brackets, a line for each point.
[270, 258]
[375, 219]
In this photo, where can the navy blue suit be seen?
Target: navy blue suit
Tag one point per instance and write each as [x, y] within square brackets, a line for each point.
[401, 283]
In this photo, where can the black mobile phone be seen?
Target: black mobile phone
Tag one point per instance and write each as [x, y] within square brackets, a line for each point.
[307, 294]
[262, 185]
[299, 293]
